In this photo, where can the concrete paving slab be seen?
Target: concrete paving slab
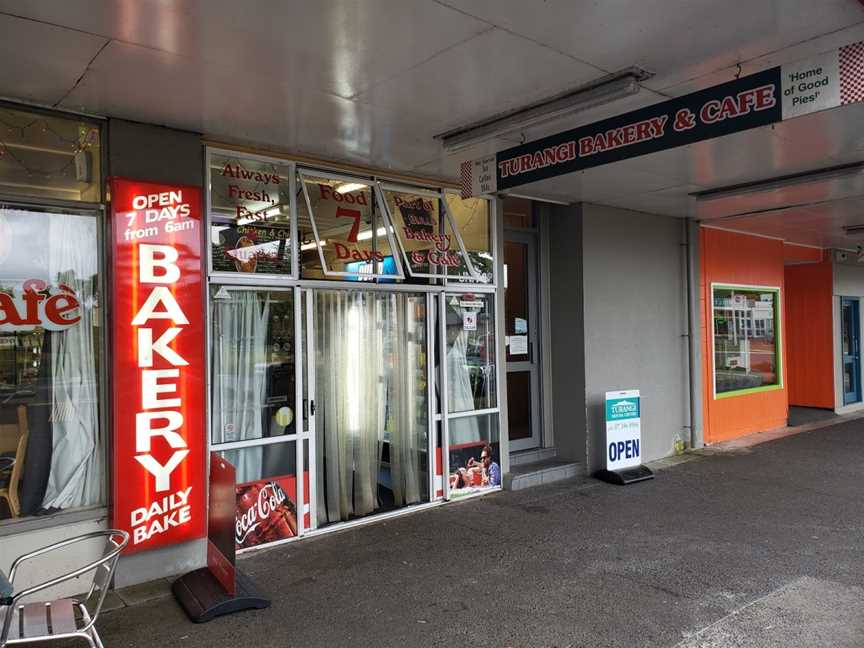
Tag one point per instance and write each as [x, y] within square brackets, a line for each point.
[577, 563]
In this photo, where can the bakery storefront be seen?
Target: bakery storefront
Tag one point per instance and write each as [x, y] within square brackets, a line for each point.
[353, 367]
[52, 341]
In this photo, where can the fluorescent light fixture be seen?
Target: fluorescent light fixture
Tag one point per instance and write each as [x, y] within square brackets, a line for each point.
[597, 93]
[270, 213]
[854, 230]
[348, 187]
[367, 234]
[312, 246]
[781, 182]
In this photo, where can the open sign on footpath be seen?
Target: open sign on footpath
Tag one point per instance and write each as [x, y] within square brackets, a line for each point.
[623, 430]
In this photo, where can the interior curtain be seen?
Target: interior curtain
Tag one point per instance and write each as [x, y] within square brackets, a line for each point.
[350, 413]
[239, 353]
[460, 395]
[76, 477]
[407, 433]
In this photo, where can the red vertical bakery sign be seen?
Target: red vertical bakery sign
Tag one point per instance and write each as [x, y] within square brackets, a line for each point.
[158, 359]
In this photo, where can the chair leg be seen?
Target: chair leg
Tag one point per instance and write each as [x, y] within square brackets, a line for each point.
[14, 504]
[96, 637]
[89, 639]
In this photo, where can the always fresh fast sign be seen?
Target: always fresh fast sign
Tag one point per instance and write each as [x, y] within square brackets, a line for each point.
[158, 363]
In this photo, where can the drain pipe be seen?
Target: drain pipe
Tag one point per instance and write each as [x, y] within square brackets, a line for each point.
[690, 246]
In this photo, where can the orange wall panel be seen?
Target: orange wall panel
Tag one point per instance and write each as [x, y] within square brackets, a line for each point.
[733, 258]
[810, 334]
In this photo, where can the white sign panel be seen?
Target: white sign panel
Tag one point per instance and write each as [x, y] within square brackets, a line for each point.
[623, 430]
[479, 177]
[811, 85]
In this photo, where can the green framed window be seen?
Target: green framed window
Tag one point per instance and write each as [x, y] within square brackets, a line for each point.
[746, 339]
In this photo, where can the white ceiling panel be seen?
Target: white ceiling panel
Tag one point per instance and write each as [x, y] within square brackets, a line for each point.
[342, 46]
[676, 39]
[42, 62]
[487, 75]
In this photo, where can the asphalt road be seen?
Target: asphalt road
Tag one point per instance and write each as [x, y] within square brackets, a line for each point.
[761, 547]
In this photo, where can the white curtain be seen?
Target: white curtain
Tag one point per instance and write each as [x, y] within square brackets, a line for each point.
[76, 477]
[460, 395]
[239, 355]
[350, 416]
[407, 421]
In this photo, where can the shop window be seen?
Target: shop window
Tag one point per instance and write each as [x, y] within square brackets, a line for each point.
[344, 230]
[472, 221]
[51, 441]
[470, 355]
[48, 156]
[250, 215]
[431, 246]
[253, 357]
[747, 347]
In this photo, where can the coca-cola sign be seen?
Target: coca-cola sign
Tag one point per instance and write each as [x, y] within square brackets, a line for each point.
[38, 305]
[265, 513]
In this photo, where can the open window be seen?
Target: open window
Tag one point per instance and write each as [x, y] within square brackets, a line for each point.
[431, 245]
[351, 233]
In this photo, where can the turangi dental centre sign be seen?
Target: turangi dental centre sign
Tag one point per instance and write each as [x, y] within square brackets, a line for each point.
[792, 90]
[158, 363]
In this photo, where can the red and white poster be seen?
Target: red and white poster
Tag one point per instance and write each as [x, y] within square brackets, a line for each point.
[266, 511]
[159, 490]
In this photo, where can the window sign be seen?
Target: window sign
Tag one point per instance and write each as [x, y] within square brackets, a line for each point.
[250, 214]
[747, 347]
[349, 226]
[425, 233]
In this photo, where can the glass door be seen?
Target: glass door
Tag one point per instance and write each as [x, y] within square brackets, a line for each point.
[368, 396]
[521, 327]
[851, 349]
[253, 401]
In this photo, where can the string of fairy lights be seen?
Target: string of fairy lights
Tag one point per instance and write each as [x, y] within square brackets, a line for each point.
[83, 142]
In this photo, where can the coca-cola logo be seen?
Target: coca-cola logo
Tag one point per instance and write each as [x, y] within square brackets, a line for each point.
[53, 308]
[270, 498]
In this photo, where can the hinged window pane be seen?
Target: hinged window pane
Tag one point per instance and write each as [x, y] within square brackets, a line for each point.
[343, 223]
[425, 233]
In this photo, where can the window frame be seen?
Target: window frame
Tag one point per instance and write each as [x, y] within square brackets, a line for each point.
[253, 277]
[94, 512]
[303, 174]
[778, 340]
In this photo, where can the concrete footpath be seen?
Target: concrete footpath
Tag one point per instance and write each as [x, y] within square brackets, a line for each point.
[755, 547]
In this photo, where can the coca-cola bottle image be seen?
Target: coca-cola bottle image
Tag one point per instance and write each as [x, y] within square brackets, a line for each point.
[247, 523]
[280, 521]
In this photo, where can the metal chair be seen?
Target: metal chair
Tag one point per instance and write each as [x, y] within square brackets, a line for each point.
[64, 618]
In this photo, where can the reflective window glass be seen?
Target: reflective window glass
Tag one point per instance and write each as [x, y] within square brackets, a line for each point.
[470, 326]
[746, 349]
[253, 382]
[343, 230]
[472, 221]
[51, 443]
[250, 215]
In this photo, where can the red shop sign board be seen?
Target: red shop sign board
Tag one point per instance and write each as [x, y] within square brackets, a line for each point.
[159, 490]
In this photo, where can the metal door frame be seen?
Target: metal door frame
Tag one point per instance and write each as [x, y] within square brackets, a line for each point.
[530, 238]
[854, 332]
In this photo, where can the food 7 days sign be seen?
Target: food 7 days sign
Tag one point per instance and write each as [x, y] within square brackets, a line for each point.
[158, 421]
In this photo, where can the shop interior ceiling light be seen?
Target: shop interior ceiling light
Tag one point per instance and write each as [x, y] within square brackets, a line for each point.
[597, 93]
[348, 187]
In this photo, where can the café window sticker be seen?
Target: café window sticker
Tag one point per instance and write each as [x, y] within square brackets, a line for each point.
[352, 231]
[431, 245]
